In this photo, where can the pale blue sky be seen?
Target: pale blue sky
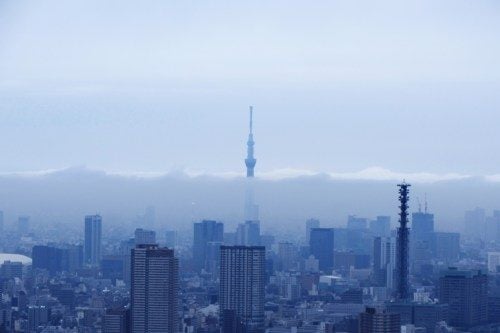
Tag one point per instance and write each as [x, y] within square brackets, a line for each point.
[338, 86]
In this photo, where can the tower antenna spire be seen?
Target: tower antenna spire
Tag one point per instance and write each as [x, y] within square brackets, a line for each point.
[250, 161]
[251, 119]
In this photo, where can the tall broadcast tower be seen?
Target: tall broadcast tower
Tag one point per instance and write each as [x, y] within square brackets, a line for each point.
[402, 245]
[251, 209]
[250, 161]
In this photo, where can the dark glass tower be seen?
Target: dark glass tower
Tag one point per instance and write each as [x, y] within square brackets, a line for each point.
[93, 235]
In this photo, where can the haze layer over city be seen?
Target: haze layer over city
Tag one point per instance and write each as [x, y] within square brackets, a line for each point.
[260, 167]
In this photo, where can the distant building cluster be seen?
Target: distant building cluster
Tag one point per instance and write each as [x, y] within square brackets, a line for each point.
[370, 276]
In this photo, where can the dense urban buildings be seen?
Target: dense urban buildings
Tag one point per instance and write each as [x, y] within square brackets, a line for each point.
[241, 276]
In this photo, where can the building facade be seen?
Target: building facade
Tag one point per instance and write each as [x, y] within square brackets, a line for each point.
[154, 290]
[93, 240]
[242, 283]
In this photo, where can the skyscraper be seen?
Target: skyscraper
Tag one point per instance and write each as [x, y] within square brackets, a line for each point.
[381, 226]
[356, 223]
[154, 289]
[402, 245]
[251, 209]
[384, 261]
[310, 224]
[116, 321]
[248, 233]
[242, 282]
[1, 221]
[37, 316]
[475, 223]
[373, 321]
[321, 246]
[143, 236]
[446, 246]
[466, 293]
[204, 232]
[23, 224]
[422, 225]
[93, 235]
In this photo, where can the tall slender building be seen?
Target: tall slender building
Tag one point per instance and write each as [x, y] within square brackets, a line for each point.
[310, 224]
[242, 282]
[321, 246]
[384, 260]
[143, 236]
[93, 234]
[154, 290]
[402, 245]
[205, 232]
[251, 209]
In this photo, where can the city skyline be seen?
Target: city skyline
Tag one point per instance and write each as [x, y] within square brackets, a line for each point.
[249, 167]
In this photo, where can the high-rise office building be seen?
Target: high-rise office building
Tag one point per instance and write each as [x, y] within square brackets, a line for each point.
[466, 293]
[287, 254]
[205, 232]
[154, 290]
[321, 246]
[422, 225]
[116, 321]
[446, 246]
[11, 269]
[475, 223]
[57, 259]
[212, 258]
[171, 238]
[384, 261]
[37, 316]
[23, 224]
[241, 293]
[248, 233]
[93, 235]
[381, 226]
[310, 224]
[143, 236]
[1, 221]
[375, 321]
[149, 218]
[357, 223]
[426, 315]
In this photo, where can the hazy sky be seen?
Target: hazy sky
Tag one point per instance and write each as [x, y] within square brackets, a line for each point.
[338, 86]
